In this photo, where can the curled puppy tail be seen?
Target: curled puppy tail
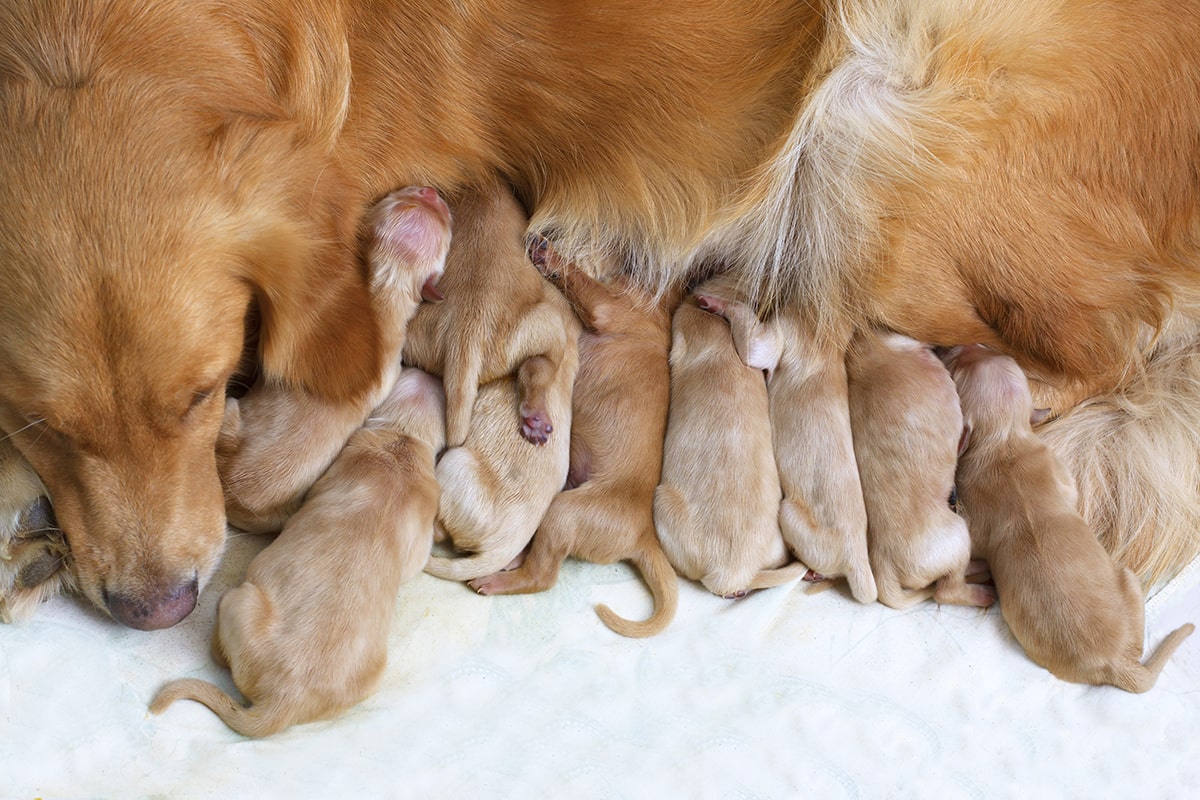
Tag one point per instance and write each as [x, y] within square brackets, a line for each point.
[254, 721]
[660, 576]
[1139, 678]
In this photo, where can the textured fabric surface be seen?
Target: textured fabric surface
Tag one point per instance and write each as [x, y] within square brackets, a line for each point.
[781, 694]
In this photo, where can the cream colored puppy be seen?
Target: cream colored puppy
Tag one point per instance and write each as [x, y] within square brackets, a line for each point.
[822, 516]
[497, 486]
[618, 420]
[306, 635]
[278, 439]
[717, 506]
[907, 428]
[1072, 609]
[498, 313]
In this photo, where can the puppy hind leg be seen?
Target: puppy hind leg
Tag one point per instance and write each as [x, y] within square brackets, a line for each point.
[538, 571]
[534, 379]
[953, 589]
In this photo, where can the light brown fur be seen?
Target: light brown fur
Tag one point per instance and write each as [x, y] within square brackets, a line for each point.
[498, 314]
[1016, 173]
[907, 427]
[716, 508]
[1073, 610]
[278, 439]
[618, 421]
[822, 516]
[306, 635]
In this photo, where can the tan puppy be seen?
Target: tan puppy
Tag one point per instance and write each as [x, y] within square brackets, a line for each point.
[717, 506]
[306, 635]
[497, 485]
[618, 421]
[907, 428]
[278, 439]
[498, 313]
[822, 517]
[1072, 609]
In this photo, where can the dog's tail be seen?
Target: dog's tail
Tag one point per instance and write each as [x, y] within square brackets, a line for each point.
[470, 567]
[660, 576]
[1135, 677]
[769, 578]
[460, 377]
[254, 721]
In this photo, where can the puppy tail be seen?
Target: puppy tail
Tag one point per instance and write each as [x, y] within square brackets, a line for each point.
[1139, 678]
[660, 576]
[253, 721]
[470, 567]
[768, 578]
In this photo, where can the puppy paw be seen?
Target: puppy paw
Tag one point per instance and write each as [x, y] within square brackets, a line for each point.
[812, 576]
[536, 426]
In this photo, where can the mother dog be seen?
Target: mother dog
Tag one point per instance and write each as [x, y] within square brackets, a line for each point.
[1022, 173]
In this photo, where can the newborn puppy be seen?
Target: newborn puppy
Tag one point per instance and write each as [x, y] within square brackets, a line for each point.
[278, 439]
[306, 635]
[1072, 609]
[907, 427]
[822, 517]
[618, 420]
[717, 506]
[497, 485]
[498, 313]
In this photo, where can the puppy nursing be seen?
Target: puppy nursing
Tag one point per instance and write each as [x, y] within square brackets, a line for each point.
[618, 420]
[907, 428]
[306, 635]
[279, 438]
[1072, 609]
[717, 506]
[505, 343]
[822, 516]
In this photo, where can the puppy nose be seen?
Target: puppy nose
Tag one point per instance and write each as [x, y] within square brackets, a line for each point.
[159, 608]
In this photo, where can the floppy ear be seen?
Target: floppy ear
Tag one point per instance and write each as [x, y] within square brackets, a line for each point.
[317, 327]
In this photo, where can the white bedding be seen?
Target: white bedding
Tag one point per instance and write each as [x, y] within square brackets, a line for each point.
[782, 694]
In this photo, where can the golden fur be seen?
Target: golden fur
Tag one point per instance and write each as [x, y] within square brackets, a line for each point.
[505, 342]
[717, 506]
[1014, 173]
[822, 516]
[907, 428]
[1073, 610]
[618, 421]
[278, 439]
[306, 635]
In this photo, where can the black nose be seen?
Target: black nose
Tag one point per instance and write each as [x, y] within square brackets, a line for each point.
[158, 608]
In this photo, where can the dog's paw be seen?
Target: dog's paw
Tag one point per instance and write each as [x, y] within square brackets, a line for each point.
[812, 576]
[34, 561]
[536, 426]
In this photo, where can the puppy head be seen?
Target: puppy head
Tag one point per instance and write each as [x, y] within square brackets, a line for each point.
[141, 214]
[992, 390]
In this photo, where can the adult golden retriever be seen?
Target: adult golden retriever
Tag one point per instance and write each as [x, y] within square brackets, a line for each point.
[1022, 173]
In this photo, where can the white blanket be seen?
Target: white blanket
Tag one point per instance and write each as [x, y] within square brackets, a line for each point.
[783, 694]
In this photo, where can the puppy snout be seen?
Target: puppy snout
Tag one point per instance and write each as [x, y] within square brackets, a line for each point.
[160, 607]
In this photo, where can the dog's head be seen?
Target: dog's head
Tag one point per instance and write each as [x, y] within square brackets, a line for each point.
[154, 183]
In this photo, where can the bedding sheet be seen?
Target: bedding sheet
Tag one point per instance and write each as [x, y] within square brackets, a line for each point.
[783, 694]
